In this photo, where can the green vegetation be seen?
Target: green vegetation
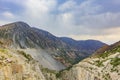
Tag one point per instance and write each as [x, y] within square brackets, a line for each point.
[117, 49]
[109, 52]
[115, 61]
[49, 74]
[3, 50]
[99, 63]
[48, 70]
[105, 54]
[114, 70]
[28, 56]
[61, 71]
[58, 75]
[107, 76]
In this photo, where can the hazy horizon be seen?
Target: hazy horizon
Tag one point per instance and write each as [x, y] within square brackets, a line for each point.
[78, 19]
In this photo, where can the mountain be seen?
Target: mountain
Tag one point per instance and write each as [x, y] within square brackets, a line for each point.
[85, 46]
[35, 42]
[102, 66]
[28, 53]
[24, 36]
[52, 52]
[106, 47]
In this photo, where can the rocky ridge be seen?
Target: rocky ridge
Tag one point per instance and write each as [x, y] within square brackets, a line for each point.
[41, 44]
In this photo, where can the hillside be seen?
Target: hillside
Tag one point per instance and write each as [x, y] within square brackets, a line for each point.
[44, 47]
[28, 53]
[84, 46]
[16, 65]
[103, 66]
[21, 36]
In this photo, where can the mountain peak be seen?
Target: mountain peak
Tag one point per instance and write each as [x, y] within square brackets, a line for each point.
[17, 22]
[20, 22]
[18, 25]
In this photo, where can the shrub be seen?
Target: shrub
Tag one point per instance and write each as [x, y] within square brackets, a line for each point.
[115, 61]
[99, 63]
[28, 56]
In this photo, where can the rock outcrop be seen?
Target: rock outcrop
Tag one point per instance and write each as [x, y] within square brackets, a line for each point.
[104, 66]
[17, 65]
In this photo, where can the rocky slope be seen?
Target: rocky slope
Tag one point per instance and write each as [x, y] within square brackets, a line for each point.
[17, 65]
[51, 51]
[84, 46]
[22, 37]
[103, 66]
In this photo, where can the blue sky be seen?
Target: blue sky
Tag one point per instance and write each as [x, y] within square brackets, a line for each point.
[79, 19]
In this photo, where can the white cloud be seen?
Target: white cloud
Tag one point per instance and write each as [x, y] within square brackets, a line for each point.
[109, 39]
[101, 21]
[8, 17]
[39, 12]
[85, 19]
[111, 36]
[7, 14]
[37, 7]
[88, 7]
[69, 5]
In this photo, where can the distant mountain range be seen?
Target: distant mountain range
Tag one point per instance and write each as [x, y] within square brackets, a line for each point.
[85, 46]
[19, 35]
